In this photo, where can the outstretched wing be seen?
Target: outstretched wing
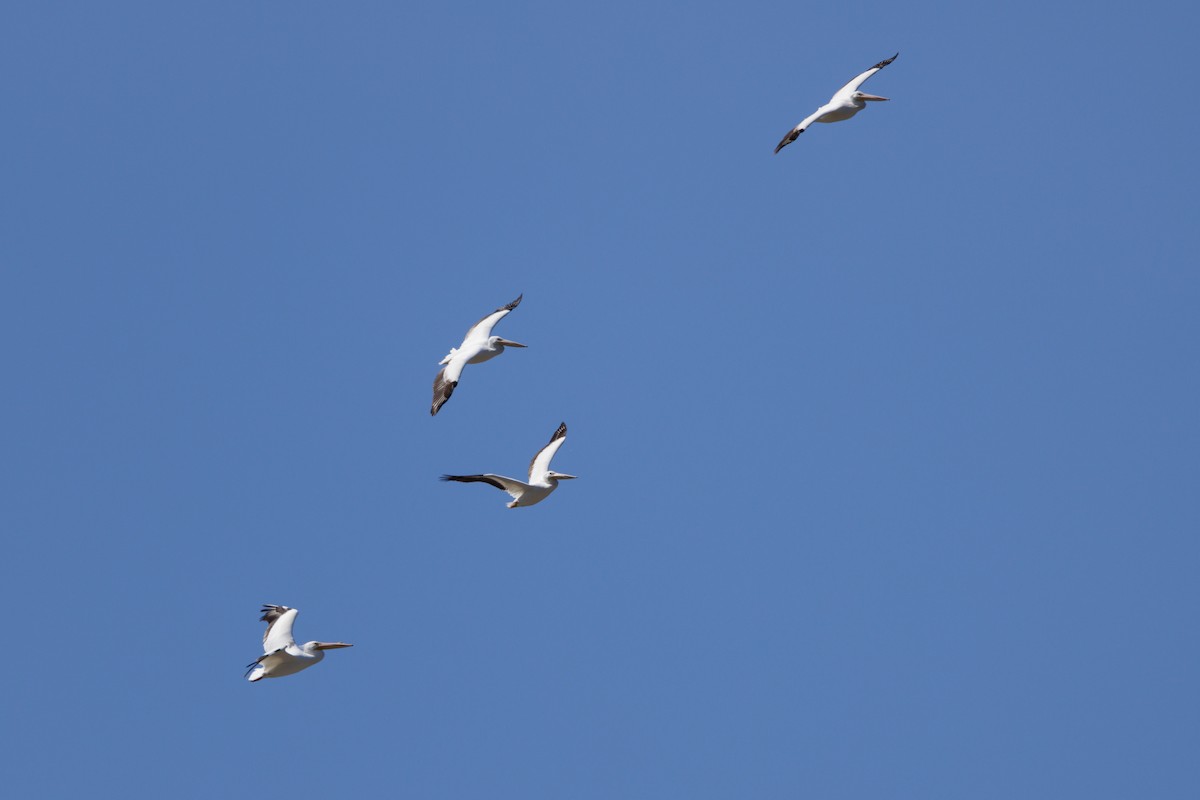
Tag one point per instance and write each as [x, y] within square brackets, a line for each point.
[511, 485]
[540, 464]
[279, 621]
[483, 328]
[444, 383]
[859, 79]
[795, 132]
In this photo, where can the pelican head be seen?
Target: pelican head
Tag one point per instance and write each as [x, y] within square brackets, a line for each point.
[552, 475]
[497, 341]
[865, 96]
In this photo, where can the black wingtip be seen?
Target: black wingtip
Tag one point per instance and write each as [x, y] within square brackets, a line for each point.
[268, 609]
[514, 303]
[887, 61]
[447, 390]
[791, 137]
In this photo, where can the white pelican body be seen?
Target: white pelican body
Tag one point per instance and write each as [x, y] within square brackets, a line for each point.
[845, 104]
[542, 480]
[281, 655]
[477, 346]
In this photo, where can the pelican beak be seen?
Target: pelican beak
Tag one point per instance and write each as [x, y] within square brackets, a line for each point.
[332, 645]
[562, 476]
[865, 96]
[508, 343]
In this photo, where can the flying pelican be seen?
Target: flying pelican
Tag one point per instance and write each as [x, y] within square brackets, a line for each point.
[477, 346]
[281, 655]
[542, 479]
[845, 104]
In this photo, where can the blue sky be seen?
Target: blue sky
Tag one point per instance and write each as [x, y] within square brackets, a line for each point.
[886, 443]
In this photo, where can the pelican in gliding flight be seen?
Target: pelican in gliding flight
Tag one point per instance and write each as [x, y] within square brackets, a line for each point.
[845, 104]
[281, 655]
[542, 479]
[477, 346]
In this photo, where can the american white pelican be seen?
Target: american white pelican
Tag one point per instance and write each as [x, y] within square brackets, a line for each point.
[542, 480]
[477, 346]
[281, 655]
[845, 104]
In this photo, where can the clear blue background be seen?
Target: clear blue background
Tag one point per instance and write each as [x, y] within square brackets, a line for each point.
[887, 443]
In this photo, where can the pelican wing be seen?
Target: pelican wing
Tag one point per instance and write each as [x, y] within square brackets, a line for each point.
[444, 383]
[263, 658]
[795, 132]
[861, 78]
[268, 661]
[483, 328]
[511, 485]
[540, 464]
[279, 621]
